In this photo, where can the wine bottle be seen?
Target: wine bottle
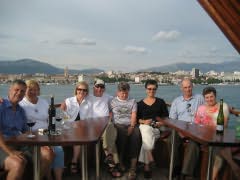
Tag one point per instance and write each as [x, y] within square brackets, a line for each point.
[220, 119]
[51, 117]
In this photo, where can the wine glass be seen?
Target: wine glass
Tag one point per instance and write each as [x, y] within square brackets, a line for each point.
[31, 122]
[59, 117]
[66, 117]
[201, 116]
[192, 114]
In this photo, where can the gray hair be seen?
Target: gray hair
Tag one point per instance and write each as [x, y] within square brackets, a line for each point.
[123, 86]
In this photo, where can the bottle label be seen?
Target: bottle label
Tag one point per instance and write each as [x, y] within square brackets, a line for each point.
[53, 120]
[219, 128]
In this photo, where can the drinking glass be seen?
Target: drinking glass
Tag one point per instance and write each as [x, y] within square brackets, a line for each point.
[31, 122]
[191, 114]
[59, 117]
[66, 118]
[201, 118]
[237, 129]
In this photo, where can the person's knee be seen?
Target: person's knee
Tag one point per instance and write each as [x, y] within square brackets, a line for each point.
[218, 163]
[148, 146]
[47, 154]
[15, 163]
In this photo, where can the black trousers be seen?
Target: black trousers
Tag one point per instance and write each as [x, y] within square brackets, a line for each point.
[128, 145]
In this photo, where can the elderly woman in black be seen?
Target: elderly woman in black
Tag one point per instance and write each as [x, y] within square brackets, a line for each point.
[150, 109]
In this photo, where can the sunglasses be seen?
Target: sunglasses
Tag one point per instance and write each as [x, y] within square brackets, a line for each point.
[188, 107]
[151, 89]
[84, 90]
[100, 86]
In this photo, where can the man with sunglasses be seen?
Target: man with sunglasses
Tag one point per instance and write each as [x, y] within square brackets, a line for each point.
[99, 99]
[100, 102]
[183, 108]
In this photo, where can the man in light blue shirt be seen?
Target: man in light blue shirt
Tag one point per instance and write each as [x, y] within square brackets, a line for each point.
[184, 108]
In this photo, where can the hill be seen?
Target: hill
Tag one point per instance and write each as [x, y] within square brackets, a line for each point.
[227, 66]
[30, 66]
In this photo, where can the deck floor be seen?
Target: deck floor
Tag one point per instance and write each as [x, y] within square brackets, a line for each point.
[158, 174]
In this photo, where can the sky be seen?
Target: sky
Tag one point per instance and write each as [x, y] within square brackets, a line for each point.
[120, 35]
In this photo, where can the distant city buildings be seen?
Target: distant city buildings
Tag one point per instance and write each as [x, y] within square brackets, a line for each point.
[135, 77]
[195, 73]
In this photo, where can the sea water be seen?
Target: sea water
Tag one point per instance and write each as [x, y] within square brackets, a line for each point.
[229, 93]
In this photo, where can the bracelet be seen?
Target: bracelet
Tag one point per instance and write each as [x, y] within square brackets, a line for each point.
[132, 126]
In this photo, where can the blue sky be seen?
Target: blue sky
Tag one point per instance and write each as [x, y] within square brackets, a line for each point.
[124, 35]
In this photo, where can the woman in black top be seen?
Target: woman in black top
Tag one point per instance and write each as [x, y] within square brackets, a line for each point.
[150, 109]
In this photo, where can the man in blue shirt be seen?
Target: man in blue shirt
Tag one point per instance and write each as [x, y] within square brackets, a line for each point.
[184, 108]
[12, 123]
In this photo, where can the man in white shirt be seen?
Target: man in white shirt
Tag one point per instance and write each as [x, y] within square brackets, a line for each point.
[100, 102]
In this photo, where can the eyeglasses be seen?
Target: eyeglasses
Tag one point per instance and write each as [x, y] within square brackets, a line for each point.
[99, 86]
[80, 89]
[151, 89]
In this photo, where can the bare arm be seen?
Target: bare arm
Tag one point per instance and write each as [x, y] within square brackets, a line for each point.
[132, 123]
[234, 111]
[133, 119]
[110, 115]
[63, 106]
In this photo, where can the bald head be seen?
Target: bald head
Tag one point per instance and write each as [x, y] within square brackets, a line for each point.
[186, 88]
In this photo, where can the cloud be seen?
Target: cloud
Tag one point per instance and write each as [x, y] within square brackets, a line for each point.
[166, 35]
[83, 41]
[5, 36]
[135, 50]
[44, 41]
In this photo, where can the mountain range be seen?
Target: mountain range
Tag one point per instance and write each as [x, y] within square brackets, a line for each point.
[30, 66]
[227, 66]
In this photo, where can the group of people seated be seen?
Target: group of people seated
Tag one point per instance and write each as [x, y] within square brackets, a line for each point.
[129, 137]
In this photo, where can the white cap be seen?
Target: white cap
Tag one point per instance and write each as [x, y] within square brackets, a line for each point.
[99, 81]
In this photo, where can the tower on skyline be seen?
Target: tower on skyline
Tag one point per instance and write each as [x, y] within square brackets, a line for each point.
[195, 73]
[66, 72]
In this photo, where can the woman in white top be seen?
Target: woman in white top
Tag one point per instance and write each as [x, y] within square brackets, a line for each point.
[77, 107]
[37, 108]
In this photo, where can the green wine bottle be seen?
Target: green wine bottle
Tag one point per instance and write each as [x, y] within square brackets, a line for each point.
[220, 119]
[51, 117]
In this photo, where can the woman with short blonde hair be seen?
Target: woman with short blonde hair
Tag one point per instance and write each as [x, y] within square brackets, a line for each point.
[77, 107]
[37, 108]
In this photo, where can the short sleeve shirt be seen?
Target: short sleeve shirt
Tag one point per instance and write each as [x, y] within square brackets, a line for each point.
[122, 110]
[100, 106]
[12, 123]
[38, 111]
[73, 108]
[157, 109]
[184, 110]
[209, 117]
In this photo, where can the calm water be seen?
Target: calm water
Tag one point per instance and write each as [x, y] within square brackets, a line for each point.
[230, 93]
